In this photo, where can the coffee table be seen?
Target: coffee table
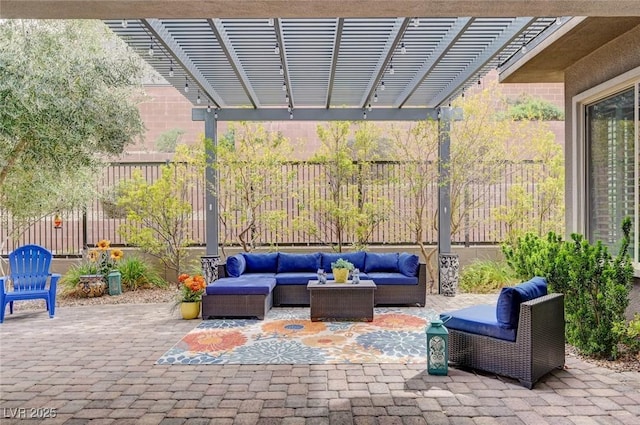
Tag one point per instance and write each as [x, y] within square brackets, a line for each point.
[341, 301]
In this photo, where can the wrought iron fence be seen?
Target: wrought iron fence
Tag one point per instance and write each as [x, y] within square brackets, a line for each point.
[101, 219]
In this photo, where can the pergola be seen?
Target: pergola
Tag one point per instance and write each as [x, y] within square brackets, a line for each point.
[329, 60]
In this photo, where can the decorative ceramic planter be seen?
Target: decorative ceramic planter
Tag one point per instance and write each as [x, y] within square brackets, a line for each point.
[190, 310]
[340, 275]
[92, 285]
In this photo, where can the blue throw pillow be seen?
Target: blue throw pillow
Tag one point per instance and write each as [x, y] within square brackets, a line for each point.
[261, 263]
[288, 263]
[508, 306]
[408, 264]
[356, 258]
[236, 265]
[387, 262]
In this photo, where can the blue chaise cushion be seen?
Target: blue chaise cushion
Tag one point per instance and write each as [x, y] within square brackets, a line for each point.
[478, 319]
[261, 263]
[236, 265]
[289, 263]
[408, 264]
[508, 305]
[385, 262]
[255, 284]
[356, 258]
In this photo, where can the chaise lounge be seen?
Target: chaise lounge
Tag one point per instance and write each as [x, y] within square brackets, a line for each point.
[521, 337]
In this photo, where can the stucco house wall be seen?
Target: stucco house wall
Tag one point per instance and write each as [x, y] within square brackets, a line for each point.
[609, 61]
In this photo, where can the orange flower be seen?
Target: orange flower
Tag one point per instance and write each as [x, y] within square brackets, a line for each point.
[192, 287]
[103, 245]
[93, 255]
[117, 254]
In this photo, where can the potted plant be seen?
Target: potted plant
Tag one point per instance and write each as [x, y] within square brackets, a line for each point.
[191, 290]
[93, 273]
[340, 269]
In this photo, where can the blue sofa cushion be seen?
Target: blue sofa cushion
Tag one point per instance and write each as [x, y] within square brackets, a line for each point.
[356, 258]
[479, 320]
[390, 278]
[508, 305]
[288, 263]
[386, 262]
[236, 265]
[408, 264]
[246, 284]
[295, 278]
[261, 263]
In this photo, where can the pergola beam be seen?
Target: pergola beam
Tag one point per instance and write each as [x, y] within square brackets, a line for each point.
[162, 36]
[506, 37]
[389, 49]
[223, 39]
[283, 60]
[317, 114]
[335, 53]
[454, 33]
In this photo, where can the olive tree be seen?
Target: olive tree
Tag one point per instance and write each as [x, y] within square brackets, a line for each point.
[67, 90]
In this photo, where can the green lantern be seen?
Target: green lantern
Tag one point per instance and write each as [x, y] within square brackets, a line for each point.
[437, 348]
[114, 280]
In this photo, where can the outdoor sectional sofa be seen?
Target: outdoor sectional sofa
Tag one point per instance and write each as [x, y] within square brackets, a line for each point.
[520, 337]
[250, 284]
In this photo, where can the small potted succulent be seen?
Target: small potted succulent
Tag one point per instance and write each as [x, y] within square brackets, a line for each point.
[340, 269]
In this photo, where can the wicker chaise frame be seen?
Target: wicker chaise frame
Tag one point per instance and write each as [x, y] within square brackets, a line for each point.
[384, 294]
[538, 349]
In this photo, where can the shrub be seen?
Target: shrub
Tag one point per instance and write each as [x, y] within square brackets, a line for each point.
[596, 285]
[71, 278]
[486, 276]
[137, 274]
[527, 108]
[167, 141]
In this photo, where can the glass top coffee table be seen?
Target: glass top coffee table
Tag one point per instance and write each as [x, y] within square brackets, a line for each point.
[341, 301]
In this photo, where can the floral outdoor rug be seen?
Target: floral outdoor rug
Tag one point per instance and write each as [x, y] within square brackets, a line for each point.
[288, 336]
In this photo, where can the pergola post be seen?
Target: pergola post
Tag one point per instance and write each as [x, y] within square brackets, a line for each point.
[211, 259]
[448, 262]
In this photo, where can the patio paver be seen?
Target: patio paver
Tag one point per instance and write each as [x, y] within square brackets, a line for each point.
[96, 365]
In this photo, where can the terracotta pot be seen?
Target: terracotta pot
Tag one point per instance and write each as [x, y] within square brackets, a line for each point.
[190, 310]
[340, 275]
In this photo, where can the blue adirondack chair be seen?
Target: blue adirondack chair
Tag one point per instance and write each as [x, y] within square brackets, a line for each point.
[29, 272]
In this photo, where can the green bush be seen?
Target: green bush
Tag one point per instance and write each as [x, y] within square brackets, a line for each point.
[137, 274]
[595, 284]
[486, 276]
[167, 141]
[71, 278]
[528, 108]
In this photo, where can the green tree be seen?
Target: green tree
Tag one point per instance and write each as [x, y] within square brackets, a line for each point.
[529, 108]
[68, 104]
[540, 210]
[345, 204]
[251, 176]
[167, 141]
[477, 161]
[159, 213]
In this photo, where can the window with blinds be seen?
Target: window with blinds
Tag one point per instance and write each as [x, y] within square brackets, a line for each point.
[611, 165]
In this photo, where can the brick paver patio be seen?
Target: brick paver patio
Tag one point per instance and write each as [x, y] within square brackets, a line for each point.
[95, 365]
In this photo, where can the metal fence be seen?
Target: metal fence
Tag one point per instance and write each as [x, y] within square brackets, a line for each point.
[99, 220]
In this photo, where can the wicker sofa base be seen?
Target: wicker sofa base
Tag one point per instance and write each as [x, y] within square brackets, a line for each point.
[384, 294]
[236, 305]
[538, 349]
